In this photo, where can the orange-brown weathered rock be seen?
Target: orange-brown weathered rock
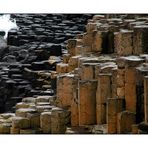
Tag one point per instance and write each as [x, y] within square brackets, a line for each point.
[123, 42]
[87, 71]
[87, 102]
[73, 62]
[66, 58]
[65, 90]
[62, 68]
[125, 120]
[114, 106]
[74, 104]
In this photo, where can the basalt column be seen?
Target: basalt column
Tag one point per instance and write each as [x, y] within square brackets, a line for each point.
[140, 39]
[130, 82]
[87, 102]
[103, 92]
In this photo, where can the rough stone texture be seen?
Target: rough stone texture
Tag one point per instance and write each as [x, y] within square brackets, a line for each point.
[87, 100]
[93, 76]
[45, 120]
[125, 121]
[114, 106]
[65, 90]
[103, 92]
[19, 122]
[58, 121]
[123, 43]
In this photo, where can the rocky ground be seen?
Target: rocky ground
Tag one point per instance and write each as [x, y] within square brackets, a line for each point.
[25, 68]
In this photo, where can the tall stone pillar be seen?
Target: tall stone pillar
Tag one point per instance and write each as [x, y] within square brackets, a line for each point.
[87, 102]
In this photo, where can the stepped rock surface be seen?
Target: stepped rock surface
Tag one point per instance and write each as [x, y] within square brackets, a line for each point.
[75, 74]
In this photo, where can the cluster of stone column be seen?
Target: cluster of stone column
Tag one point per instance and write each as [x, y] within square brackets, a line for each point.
[101, 84]
[105, 83]
[35, 116]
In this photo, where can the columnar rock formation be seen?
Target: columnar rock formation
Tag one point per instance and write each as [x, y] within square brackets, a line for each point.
[106, 63]
[98, 86]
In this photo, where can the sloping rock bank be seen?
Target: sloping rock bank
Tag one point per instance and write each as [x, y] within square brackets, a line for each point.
[24, 63]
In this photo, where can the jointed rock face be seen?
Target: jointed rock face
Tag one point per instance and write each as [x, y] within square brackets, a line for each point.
[63, 79]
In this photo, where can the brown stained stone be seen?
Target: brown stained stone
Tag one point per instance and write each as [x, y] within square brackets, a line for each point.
[74, 114]
[73, 62]
[123, 43]
[86, 50]
[101, 114]
[125, 120]
[88, 39]
[79, 49]
[114, 106]
[130, 97]
[103, 88]
[74, 105]
[130, 75]
[97, 43]
[87, 102]
[120, 92]
[45, 121]
[120, 80]
[65, 90]
[91, 27]
[66, 58]
[114, 82]
[121, 71]
[62, 68]
[71, 46]
[87, 71]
